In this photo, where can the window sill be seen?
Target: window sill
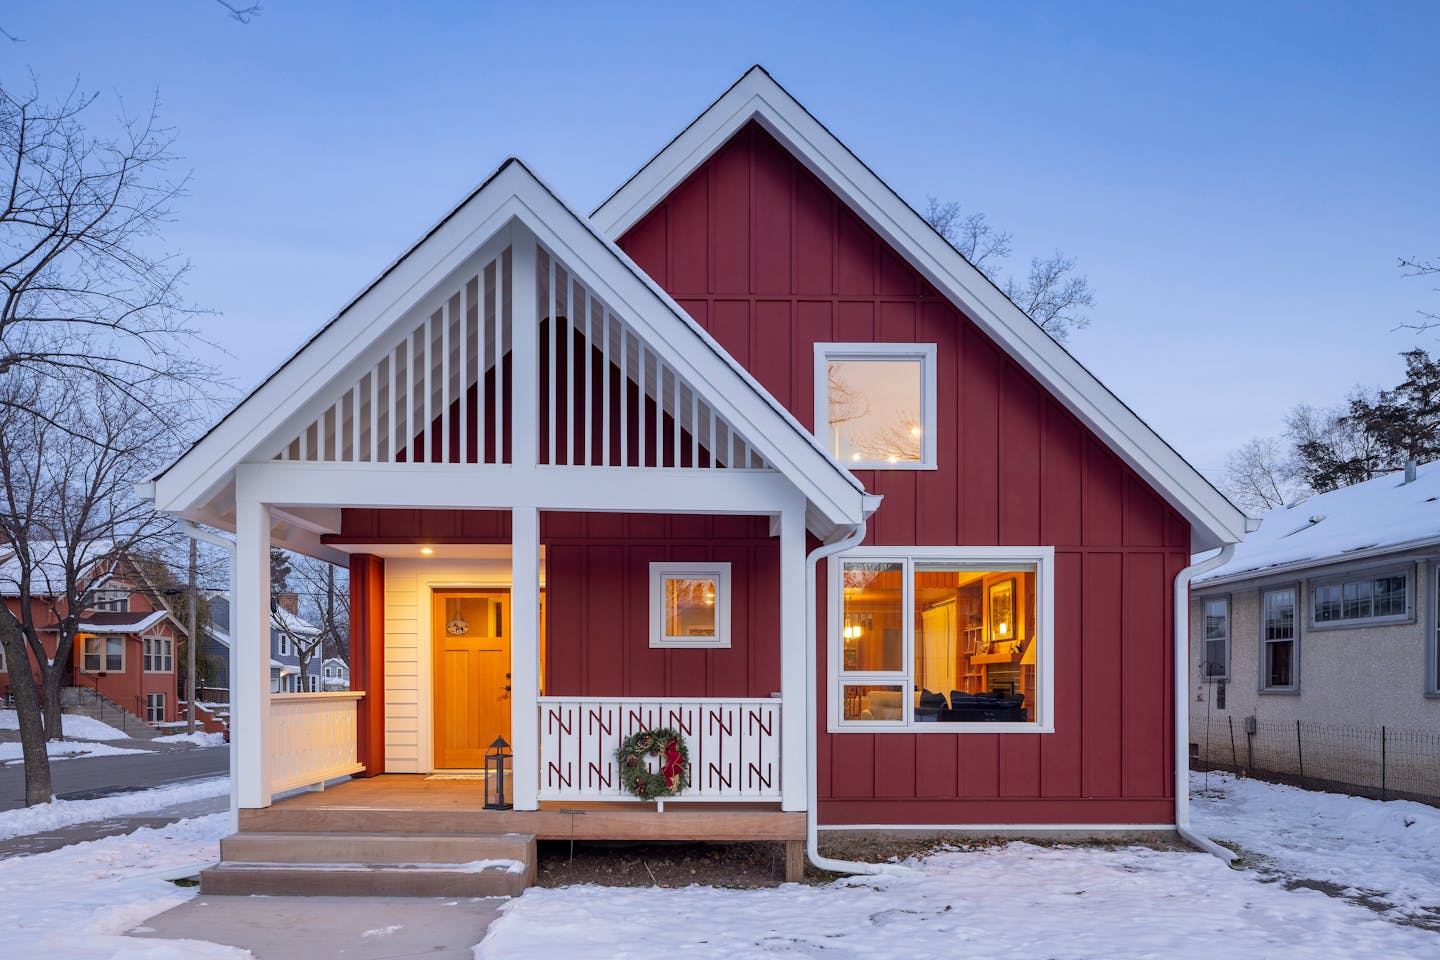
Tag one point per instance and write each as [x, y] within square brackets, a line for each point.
[1278, 693]
[890, 466]
[951, 728]
[1406, 620]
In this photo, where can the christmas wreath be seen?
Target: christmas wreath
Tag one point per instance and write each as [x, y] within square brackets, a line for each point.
[635, 773]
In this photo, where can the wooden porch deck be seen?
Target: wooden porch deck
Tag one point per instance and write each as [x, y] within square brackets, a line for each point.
[413, 803]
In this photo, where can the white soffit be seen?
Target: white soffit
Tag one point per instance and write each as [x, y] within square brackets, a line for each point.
[757, 96]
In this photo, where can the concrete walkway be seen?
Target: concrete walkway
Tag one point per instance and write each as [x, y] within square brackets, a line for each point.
[310, 928]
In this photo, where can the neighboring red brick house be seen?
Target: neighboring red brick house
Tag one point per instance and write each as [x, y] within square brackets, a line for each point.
[125, 649]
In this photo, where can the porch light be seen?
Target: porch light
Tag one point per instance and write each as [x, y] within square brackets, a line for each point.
[495, 764]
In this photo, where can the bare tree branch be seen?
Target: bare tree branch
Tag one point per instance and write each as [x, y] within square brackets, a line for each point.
[241, 14]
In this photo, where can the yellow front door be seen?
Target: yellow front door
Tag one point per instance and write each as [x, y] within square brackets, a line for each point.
[471, 631]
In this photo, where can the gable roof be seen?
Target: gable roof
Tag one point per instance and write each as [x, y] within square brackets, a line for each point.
[757, 96]
[270, 414]
[1380, 516]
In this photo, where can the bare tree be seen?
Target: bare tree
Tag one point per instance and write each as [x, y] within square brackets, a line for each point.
[1052, 293]
[1332, 446]
[1260, 476]
[1416, 267]
[85, 293]
[68, 514]
[322, 624]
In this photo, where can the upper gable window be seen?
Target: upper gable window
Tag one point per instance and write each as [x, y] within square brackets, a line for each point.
[875, 404]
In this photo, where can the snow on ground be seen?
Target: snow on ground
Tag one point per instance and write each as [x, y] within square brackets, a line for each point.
[63, 813]
[1381, 853]
[199, 738]
[77, 726]
[1014, 901]
[64, 750]
[75, 903]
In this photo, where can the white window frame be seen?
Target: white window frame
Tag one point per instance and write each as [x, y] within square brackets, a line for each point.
[3, 668]
[1432, 645]
[154, 702]
[1264, 678]
[1043, 558]
[929, 384]
[660, 571]
[1224, 675]
[283, 646]
[158, 650]
[104, 654]
[1368, 574]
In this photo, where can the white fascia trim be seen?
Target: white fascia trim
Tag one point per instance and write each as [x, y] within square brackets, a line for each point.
[757, 96]
[351, 342]
[1006, 827]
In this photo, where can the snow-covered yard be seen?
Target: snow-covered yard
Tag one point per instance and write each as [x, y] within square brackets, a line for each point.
[1010, 901]
[77, 902]
[76, 727]
[65, 749]
[1384, 854]
[64, 813]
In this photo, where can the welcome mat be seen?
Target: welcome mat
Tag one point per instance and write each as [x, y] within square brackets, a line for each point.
[456, 776]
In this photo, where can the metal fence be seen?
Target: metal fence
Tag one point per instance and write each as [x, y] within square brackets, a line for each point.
[1381, 762]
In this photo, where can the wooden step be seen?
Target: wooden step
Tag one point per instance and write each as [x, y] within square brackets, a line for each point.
[381, 848]
[506, 879]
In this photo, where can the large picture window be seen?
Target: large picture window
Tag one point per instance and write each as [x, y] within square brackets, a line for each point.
[1215, 657]
[1279, 642]
[937, 639]
[875, 404]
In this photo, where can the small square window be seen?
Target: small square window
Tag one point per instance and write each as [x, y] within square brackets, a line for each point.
[689, 604]
[875, 404]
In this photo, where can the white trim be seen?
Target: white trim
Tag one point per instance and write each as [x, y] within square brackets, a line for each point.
[757, 96]
[660, 572]
[1042, 557]
[929, 387]
[998, 828]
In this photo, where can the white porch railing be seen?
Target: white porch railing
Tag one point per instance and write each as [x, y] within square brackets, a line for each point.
[734, 745]
[312, 738]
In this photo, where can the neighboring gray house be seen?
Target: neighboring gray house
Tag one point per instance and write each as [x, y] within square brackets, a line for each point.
[1320, 631]
[284, 659]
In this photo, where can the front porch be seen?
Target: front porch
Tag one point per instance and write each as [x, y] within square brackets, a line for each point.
[416, 835]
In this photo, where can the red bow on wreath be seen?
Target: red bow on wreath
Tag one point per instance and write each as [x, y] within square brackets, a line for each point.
[673, 766]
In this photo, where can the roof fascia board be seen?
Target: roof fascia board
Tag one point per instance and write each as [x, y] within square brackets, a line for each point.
[757, 96]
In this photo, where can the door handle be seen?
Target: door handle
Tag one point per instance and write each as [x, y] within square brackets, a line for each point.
[507, 688]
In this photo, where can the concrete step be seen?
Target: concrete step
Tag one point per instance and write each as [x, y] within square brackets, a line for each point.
[506, 879]
[383, 848]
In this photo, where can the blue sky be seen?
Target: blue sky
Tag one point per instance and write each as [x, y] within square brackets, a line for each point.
[1236, 179]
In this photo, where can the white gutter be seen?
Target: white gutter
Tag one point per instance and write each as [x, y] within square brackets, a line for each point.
[1182, 705]
[812, 831]
[228, 545]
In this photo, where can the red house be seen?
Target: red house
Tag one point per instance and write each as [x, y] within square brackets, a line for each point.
[749, 454]
[124, 651]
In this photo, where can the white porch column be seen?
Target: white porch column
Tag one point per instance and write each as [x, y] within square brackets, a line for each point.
[795, 708]
[525, 526]
[250, 651]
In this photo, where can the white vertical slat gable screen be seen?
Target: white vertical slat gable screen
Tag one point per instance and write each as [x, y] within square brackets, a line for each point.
[622, 406]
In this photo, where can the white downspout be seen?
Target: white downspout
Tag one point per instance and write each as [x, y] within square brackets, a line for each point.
[1182, 704]
[812, 831]
[228, 545]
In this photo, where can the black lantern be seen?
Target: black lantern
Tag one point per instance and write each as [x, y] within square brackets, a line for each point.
[495, 772]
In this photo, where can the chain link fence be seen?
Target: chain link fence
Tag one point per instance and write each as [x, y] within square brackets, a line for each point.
[1380, 762]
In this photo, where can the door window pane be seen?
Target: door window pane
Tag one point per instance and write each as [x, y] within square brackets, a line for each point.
[873, 631]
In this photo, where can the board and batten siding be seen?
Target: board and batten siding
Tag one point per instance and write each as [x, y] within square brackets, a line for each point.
[770, 262]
